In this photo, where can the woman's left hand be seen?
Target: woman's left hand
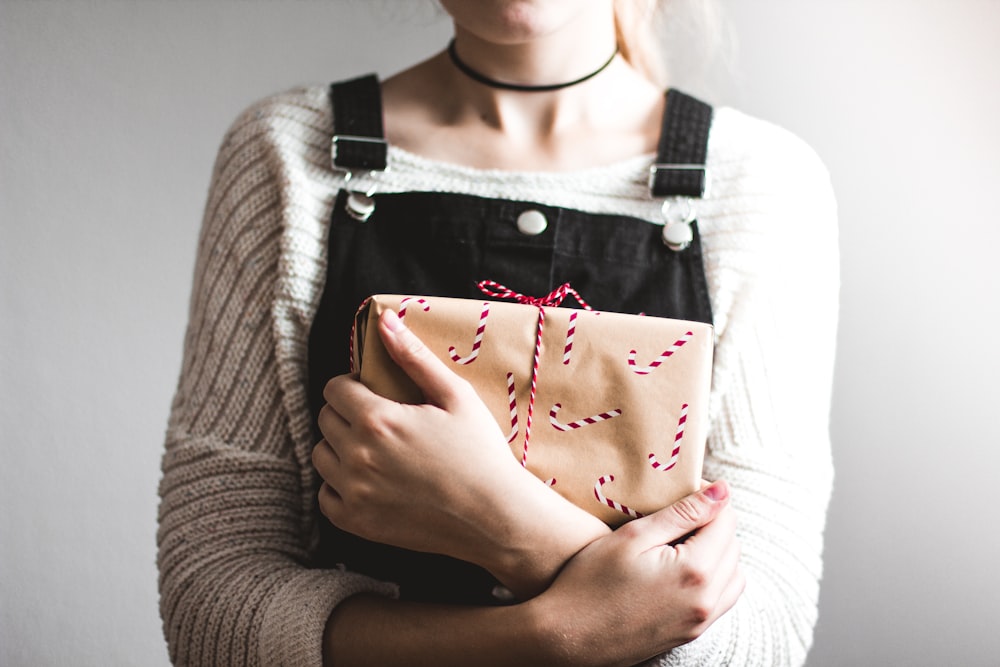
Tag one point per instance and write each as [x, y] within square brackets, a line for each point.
[439, 477]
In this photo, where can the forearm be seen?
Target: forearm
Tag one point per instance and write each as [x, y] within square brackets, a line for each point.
[368, 630]
[622, 599]
[532, 537]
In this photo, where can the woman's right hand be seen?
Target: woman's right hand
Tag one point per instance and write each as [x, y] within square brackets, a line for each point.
[645, 589]
[439, 476]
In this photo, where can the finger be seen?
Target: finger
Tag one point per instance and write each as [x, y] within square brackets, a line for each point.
[325, 460]
[330, 503]
[438, 383]
[730, 586]
[349, 398]
[682, 517]
[714, 547]
[733, 590]
[332, 425]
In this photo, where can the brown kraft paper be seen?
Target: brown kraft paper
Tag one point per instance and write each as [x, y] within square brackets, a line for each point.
[614, 405]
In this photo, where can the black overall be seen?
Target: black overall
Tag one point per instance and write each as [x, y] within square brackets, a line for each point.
[438, 244]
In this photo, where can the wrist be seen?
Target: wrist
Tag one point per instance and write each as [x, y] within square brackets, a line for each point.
[551, 632]
[535, 532]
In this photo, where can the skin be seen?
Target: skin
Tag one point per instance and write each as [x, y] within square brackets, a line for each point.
[383, 463]
[434, 110]
[386, 477]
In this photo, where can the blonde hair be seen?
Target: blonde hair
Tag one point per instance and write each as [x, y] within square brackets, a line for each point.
[665, 38]
[636, 23]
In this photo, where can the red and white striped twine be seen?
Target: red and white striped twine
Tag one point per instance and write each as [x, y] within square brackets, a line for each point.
[554, 298]
[675, 454]
[586, 421]
[624, 509]
[666, 354]
[477, 343]
[536, 361]
[354, 330]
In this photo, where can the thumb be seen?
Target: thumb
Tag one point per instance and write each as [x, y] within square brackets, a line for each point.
[682, 517]
[437, 382]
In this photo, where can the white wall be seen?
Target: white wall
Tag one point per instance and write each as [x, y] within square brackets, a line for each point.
[110, 113]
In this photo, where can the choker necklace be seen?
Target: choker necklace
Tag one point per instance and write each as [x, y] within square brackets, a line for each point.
[493, 83]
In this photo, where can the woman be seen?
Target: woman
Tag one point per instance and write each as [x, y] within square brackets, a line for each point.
[252, 574]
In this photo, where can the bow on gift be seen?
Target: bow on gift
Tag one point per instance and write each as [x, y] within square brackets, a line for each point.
[491, 288]
[552, 299]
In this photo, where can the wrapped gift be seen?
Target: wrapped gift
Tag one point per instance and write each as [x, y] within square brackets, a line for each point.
[609, 409]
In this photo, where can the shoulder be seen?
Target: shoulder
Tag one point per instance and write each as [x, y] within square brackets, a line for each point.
[272, 150]
[271, 184]
[294, 121]
[309, 104]
[750, 153]
[768, 185]
[770, 221]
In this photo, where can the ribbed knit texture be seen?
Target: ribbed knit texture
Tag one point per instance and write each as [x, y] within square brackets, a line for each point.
[237, 520]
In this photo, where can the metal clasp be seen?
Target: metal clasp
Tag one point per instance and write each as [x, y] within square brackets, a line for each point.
[360, 204]
[338, 138]
[678, 214]
[706, 180]
[678, 210]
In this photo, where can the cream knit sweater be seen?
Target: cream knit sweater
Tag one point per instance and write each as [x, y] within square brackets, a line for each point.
[237, 520]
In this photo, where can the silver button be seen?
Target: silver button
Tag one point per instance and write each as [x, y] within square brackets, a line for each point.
[532, 223]
[678, 236]
[360, 206]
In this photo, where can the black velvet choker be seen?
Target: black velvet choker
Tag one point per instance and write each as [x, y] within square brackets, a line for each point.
[493, 83]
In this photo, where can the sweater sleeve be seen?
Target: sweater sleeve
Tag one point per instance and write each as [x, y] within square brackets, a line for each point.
[772, 264]
[235, 515]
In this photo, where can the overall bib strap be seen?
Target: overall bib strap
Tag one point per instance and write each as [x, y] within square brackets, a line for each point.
[358, 138]
[679, 174]
[680, 162]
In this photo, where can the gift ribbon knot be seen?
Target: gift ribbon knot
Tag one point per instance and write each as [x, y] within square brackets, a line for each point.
[552, 299]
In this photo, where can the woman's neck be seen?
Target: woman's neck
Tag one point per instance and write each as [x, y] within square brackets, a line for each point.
[568, 52]
[436, 110]
[562, 56]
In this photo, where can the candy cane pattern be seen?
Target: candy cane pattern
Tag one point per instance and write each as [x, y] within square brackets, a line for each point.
[570, 332]
[559, 426]
[420, 302]
[476, 343]
[677, 444]
[512, 401]
[645, 370]
[601, 481]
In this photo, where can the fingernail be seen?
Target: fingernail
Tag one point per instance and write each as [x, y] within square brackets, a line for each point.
[392, 321]
[718, 491]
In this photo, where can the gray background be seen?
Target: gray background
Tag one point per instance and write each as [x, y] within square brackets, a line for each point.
[110, 114]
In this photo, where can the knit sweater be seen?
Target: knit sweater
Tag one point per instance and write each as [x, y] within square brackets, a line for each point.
[237, 519]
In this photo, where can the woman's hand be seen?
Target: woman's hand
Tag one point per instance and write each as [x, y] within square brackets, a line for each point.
[643, 590]
[626, 597]
[439, 477]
